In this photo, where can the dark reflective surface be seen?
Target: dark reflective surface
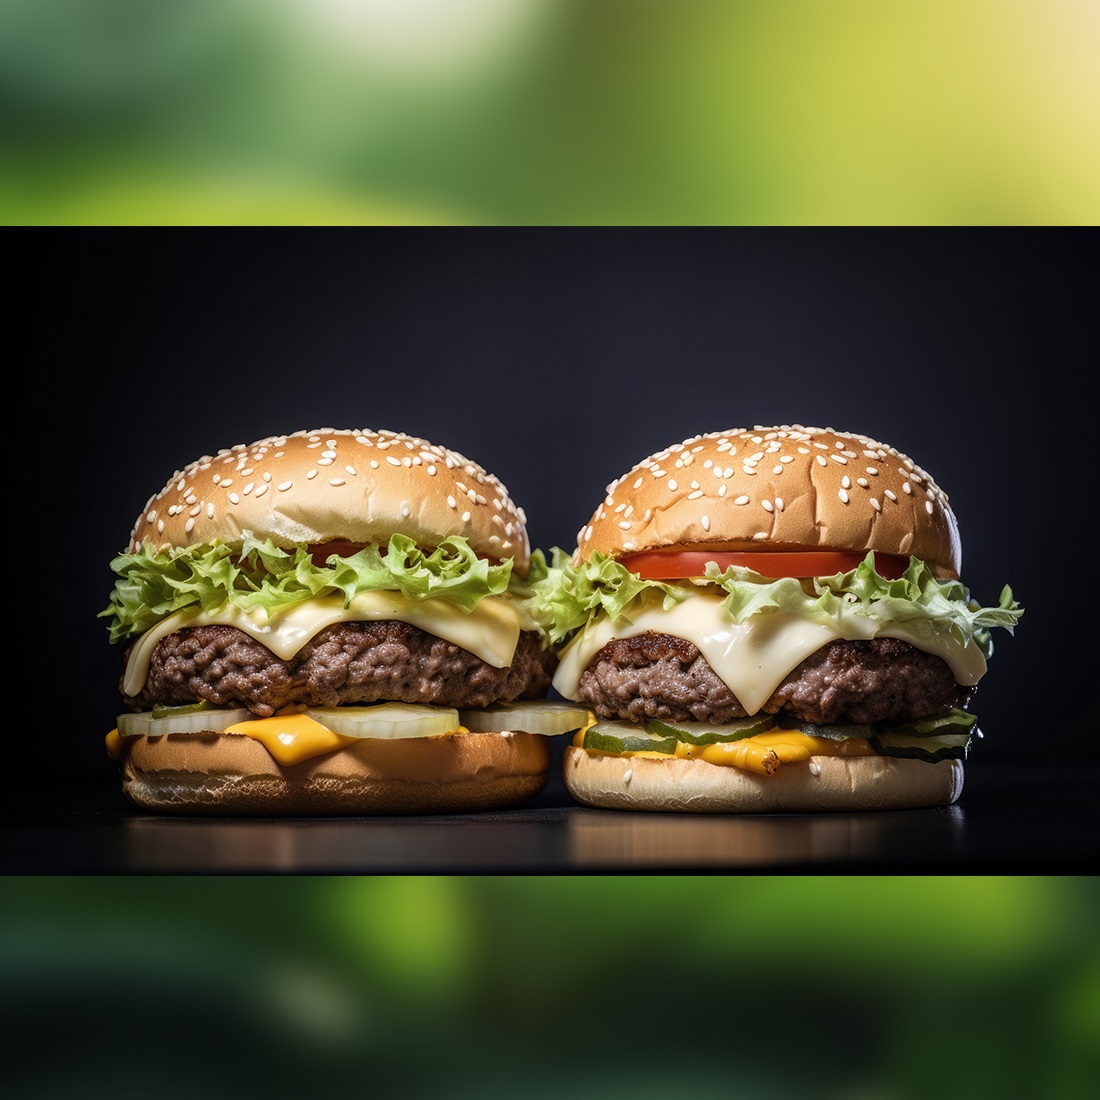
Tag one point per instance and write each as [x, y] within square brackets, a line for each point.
[1007, 820]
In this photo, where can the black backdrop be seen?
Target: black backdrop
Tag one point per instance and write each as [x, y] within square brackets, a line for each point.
[557, 359]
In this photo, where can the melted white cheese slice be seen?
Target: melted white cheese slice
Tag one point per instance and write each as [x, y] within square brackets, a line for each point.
[491, 631]
[752, 658]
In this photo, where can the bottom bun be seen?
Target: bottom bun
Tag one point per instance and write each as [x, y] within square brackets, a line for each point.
[694, 786]
[209, 773]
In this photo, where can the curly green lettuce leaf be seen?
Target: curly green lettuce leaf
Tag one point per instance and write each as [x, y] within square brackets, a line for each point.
[570, 595]
[154, 584]
[566, 595]
[918, 599]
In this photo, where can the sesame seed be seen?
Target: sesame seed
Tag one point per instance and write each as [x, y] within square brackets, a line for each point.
[767, 506]
[624, 525]
[671, 485]
[928, 507]
[843, 496]
[431, 470]
[875, 504]
[452, 502]
[839, 458]
[846, 481]
[393, 461]
[705, 521]
[374, 463]
[335, 481]
[907, 489]
[821, 460]
[741, 500]
[815, 769]
[261, 490]
[405, 511]
[779, 503]
[350, 470]
[696, 495]
[465, 517]
[234, 498]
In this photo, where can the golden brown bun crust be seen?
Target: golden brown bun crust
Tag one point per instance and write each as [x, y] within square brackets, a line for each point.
[318, 486]
[230, 774]
[694, 786]
[791, 486]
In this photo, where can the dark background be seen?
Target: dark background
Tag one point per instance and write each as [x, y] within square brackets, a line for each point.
[557, 359]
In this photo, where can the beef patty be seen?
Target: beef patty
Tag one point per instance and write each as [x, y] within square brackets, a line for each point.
[355, 662]
[661, 676]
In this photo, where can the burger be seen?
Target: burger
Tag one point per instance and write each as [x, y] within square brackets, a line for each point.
[770, 619]
[331, 622]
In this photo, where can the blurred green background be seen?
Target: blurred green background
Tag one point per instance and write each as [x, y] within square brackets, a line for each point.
[859, 988]
[549, 111]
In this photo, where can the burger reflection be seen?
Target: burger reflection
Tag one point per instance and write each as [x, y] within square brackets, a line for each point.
[598, 838]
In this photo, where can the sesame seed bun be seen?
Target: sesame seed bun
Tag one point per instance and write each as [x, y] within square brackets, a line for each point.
[786, 487]
[327, 484]
[820, 784]
[231, 774]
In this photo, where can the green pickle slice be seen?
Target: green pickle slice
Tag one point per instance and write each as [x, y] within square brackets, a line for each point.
[626, 737]
[704, 733]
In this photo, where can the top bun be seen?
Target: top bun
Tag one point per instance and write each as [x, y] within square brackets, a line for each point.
[319, 486]
[788, 487]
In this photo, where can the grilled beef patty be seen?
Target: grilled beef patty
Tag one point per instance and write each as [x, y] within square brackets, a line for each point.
[661, 676]
[355, 662]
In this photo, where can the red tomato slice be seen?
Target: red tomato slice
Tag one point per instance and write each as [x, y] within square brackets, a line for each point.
[676, 564]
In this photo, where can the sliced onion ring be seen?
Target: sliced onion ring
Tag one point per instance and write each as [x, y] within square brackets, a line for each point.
[548, 717]
[199, 721]
[386, 720]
